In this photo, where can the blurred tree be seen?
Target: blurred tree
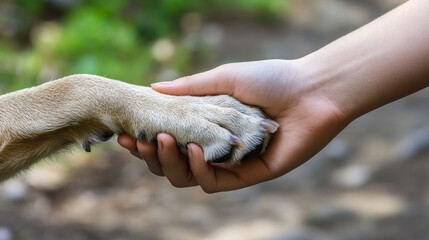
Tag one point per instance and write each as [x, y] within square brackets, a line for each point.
[42, 40]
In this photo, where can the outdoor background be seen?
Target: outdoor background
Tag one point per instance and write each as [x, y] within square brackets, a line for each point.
[371, 182]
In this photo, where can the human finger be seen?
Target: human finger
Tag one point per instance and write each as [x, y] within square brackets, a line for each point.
[128, 142]
[211, 82]
[226, 177]
[173, 162]
[148, 152]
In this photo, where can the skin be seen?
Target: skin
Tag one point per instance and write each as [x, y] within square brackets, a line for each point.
[313, 98]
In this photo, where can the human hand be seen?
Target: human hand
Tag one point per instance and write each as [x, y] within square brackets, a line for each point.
[312, 98]
[308, 120]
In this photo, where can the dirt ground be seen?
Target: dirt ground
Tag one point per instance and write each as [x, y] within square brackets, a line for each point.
[371, 182]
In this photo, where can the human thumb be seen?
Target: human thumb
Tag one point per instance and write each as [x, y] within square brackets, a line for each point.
[212, 82]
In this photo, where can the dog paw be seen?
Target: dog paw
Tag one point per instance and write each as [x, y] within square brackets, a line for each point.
[227, 130]
[250, 130]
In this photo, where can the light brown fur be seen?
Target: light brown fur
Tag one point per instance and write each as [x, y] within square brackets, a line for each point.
[87, 109]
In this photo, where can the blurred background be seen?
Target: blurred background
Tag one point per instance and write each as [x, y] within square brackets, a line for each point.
[371, 182]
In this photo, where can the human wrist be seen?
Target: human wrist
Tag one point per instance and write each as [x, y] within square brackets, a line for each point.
[326, 82]
[373, 65]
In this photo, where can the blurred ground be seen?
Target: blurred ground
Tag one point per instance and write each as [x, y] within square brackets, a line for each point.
[369, 183]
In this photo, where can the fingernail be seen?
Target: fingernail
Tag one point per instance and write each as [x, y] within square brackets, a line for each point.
[189, 152]
[270, 125]
[166, 83]
[160, 145]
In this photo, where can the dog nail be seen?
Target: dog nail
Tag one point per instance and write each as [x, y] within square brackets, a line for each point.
[141, 136]
[104, 136]
[236, 141]
[86, 146]
[270, 125]
[183, 149]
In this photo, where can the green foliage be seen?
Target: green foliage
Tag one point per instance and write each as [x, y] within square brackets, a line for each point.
[112, 38]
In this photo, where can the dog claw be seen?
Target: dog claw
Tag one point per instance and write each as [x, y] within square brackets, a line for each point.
[183, 149]
[104, 136]
[86, 146]
[141, 136]
[270, 125]
[236, 141]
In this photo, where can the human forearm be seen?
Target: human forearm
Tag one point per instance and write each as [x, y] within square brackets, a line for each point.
[376, 64]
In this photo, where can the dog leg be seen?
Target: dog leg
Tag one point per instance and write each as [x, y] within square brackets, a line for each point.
[88, 109]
